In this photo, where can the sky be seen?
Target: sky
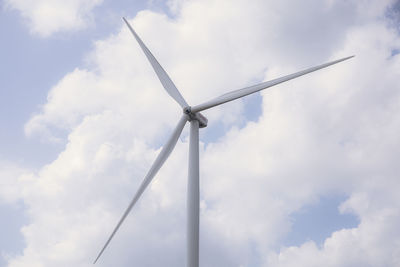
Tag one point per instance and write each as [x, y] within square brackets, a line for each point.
[302, 174]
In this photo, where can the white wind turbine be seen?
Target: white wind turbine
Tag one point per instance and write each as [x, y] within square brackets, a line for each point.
[197, 120]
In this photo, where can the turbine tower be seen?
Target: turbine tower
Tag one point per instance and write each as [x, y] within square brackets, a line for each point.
[197, 120]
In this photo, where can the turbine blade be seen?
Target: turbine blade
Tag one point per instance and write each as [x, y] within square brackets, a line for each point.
[255, 88]
[161, 73]
[161, 158]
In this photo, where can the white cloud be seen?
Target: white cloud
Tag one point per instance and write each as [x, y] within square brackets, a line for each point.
[332, 132]
[11, 176]
[46, 17]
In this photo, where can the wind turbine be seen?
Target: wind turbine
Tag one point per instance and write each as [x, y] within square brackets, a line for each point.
[197, 120]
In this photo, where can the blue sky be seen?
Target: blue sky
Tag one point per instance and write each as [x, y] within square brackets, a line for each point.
[300, 175]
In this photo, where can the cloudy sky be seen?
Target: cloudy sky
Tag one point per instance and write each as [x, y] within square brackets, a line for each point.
[302, 174]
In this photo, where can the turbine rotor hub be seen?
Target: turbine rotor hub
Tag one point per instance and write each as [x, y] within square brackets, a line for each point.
[196, 116]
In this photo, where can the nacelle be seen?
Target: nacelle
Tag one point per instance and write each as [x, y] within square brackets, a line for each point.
[196, 116]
